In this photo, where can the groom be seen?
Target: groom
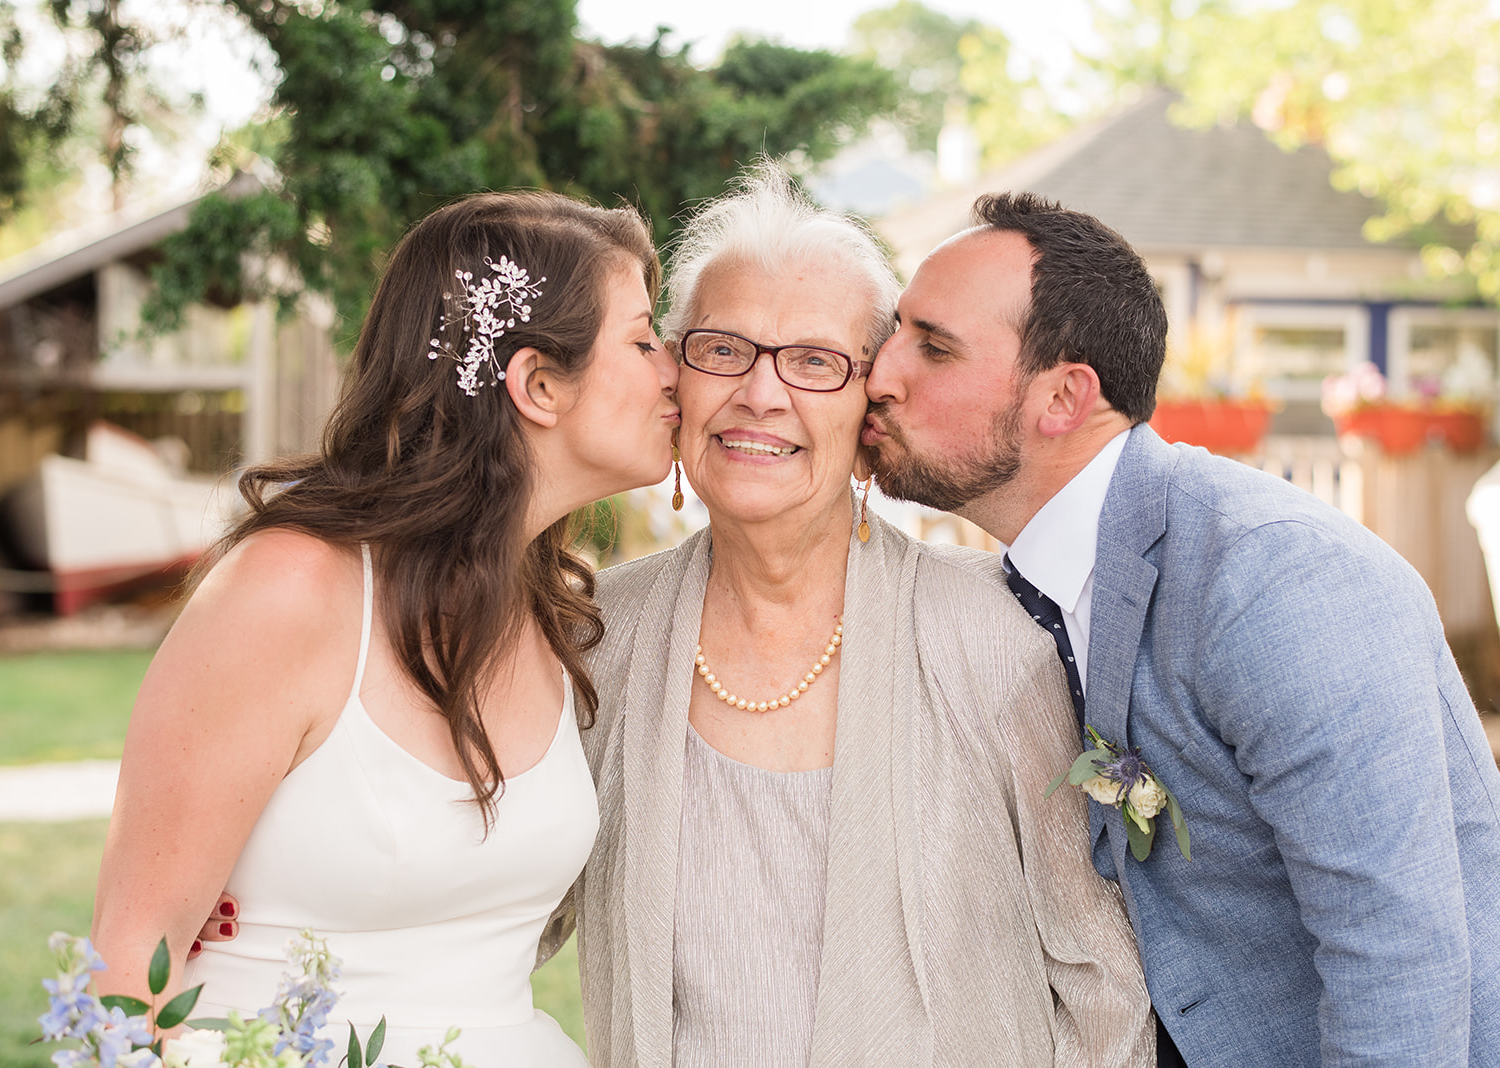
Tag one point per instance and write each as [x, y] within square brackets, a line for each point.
[1281, 670]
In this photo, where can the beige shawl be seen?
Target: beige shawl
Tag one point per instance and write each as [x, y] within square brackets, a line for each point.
[964, 924]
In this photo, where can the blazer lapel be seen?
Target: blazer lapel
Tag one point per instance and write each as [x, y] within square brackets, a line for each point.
[660, 676]
[1133, 520]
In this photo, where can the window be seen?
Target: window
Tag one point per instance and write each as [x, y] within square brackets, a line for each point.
[1288, 350]
[1448, 353]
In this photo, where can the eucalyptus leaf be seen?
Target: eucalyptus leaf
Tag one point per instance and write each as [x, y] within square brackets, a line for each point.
[356, 1060]
[209, 1023]
[377, 1040]
[176, 1010]
[131, 1006]
[1140, 841]
[1087, 765]
[1179, 824]
[1053, 785]
[161, 967]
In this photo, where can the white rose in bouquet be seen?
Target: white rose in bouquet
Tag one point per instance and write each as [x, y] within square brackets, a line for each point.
[137, 1058]
[194, 1049]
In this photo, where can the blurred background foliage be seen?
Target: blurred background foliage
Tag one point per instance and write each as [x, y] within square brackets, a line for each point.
[383, 109]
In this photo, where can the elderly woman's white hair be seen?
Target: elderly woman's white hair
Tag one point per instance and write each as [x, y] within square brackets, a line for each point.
[766, 221]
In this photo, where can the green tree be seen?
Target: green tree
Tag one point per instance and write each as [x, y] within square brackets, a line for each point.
[387, 109]
[1011, 115]
[99, 104]
[1403, 94]
[920, 47]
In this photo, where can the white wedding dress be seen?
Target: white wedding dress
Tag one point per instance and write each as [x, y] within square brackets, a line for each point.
[383, 856]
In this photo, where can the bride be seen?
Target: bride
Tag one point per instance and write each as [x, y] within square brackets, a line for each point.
[364, 720]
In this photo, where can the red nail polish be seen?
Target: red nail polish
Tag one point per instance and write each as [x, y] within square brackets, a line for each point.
[227, 909]
[226, 929]
[197, 946]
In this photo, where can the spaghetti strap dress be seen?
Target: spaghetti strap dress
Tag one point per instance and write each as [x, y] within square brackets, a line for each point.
[386, 858]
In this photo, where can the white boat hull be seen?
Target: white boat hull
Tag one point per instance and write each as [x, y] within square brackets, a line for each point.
[96, 525]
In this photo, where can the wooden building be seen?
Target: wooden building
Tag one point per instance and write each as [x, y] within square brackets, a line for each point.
[236, 384]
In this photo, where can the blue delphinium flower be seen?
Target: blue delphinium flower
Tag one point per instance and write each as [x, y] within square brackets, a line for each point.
[119, 1036]
[72, 1012]
[304, 1001]
[109, 1037]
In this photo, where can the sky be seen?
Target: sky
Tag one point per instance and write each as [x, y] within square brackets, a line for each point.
[1044, 32]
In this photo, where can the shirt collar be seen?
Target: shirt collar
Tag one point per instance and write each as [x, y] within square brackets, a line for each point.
[1056, 550]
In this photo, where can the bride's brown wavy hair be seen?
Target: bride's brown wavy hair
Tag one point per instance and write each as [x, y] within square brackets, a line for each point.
[438, 482]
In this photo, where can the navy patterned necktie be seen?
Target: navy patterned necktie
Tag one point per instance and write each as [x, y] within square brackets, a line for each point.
[1044, 611]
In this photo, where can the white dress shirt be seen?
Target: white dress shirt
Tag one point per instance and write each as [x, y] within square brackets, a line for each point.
[1056, 550]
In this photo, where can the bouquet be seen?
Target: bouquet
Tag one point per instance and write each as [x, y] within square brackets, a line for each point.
[124, 1032]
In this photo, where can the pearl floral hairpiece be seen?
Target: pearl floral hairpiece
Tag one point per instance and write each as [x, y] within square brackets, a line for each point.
[511, 289]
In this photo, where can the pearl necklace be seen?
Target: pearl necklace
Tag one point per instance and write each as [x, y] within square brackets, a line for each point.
[776, 702]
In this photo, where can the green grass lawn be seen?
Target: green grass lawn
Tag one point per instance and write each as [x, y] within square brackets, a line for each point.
[67, 706]
[47, 873]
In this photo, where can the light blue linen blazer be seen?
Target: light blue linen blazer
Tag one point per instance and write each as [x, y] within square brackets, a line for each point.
[1286, 675]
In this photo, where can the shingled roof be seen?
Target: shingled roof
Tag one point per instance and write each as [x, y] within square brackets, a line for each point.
[1166, 186]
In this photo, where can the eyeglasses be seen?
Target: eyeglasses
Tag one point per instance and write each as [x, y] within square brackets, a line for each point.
[806, 367]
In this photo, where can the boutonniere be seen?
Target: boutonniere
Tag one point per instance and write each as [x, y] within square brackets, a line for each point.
[1114, 775]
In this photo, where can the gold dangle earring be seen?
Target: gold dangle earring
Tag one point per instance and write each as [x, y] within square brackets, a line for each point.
[677, 471]
[864, 526]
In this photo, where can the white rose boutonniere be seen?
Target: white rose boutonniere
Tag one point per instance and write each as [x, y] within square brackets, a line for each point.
[1114, 775]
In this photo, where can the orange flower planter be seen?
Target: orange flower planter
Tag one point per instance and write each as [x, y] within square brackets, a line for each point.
[1223, 426]
[1395, 429]
[1400, 430]
[1464, 431]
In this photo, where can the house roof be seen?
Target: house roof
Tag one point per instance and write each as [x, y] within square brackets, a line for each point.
[76, 253]
[1166, 187]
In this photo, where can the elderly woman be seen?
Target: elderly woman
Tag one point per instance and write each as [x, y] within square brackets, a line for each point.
[799, 864]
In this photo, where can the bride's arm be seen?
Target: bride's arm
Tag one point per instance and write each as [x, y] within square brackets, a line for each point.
[250, 678]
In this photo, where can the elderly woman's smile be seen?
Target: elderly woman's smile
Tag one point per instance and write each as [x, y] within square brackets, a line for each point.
[782, 434]
[738, 441]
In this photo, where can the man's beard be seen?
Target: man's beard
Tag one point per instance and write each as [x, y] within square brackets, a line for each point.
[949, 483]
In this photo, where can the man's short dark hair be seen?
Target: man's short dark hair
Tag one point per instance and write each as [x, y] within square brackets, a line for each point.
[1092, 300]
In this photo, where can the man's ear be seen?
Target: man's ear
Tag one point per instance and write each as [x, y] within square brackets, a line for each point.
[1070, 393]
[534, 386]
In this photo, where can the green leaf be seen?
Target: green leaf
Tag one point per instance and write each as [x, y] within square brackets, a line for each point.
[1140, 841]
[1053, 785]
[209, 1023]
[1087, 765]
[377, 1040]
[356, 1060]
[1179, 824]
[161, 967]
[176, 1010]
[132, 1006]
